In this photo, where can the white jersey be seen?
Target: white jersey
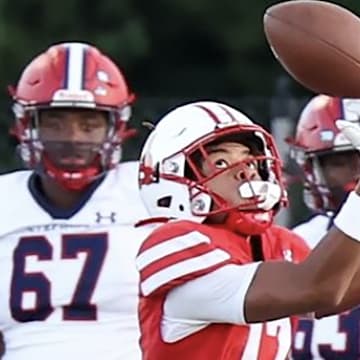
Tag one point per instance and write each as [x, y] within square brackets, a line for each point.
[313, 230]
[68, 282]
[333, 337]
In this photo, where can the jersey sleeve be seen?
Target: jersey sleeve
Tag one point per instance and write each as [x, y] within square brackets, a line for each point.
[174, 254]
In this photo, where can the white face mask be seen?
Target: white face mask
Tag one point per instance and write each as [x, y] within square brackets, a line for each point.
[268, 194]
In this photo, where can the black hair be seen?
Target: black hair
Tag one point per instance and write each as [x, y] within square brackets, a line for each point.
[249, 139]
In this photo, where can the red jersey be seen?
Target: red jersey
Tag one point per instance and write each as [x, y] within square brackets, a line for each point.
[200, 249]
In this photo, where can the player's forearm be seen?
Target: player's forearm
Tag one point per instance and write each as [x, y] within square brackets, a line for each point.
[281, 289]
[320, 282]
[349, 301]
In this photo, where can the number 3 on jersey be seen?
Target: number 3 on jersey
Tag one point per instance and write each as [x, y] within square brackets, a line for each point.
[23, 282]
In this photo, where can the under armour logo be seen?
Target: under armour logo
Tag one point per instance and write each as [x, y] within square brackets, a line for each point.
[111, 218]
[288, 255]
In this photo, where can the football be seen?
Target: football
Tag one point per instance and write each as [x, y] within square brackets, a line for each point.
[318, 44]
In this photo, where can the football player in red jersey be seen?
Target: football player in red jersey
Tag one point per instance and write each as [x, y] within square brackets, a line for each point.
[330, 167]
[213, 284]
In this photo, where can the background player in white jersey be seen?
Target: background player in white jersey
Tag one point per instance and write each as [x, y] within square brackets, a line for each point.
[68, 284]
[331, 167]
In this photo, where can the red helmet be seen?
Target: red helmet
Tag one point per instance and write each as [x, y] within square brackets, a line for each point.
[71, 75]
[316, 135]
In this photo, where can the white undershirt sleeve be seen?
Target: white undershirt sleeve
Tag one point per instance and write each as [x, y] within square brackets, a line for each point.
[217, 297]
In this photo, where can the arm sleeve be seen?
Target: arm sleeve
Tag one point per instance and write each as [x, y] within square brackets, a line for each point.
[217, 297]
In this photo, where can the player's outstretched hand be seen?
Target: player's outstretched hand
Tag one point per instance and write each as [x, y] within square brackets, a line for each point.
[351, 130]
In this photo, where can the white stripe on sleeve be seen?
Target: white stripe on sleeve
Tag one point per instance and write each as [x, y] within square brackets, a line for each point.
[169, 247]
[182, 268]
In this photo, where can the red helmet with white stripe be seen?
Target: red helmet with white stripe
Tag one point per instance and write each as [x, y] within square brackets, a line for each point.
[317, 135]
[71, 75]
[172, 184]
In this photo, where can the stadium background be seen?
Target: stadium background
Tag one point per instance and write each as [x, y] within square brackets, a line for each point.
[171, 52]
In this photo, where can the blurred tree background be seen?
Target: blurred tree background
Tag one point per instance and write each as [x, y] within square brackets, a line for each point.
[170, 51]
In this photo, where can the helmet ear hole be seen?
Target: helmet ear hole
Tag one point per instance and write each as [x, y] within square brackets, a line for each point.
[164, 202]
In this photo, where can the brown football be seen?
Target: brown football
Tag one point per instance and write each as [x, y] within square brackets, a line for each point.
[318, 43]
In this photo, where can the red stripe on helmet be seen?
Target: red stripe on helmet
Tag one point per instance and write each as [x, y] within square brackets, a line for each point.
[210, 113]
[228, 113]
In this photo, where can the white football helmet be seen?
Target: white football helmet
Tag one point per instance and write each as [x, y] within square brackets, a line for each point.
[167, 159]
